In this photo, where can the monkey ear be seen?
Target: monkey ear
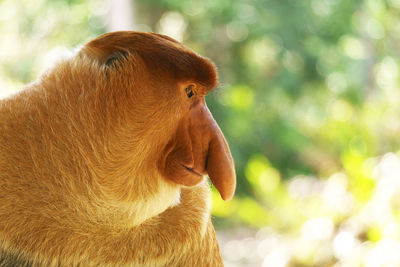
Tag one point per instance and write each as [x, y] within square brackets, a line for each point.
[115, 58]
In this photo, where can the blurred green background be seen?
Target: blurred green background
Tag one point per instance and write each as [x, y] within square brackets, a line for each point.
[309, 101]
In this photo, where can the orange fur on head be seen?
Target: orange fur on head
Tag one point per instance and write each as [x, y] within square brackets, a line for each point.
[102, 159]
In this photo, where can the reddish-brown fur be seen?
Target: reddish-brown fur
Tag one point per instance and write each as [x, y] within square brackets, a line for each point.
[102, 159]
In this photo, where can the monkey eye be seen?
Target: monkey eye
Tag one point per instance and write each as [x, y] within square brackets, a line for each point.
[189, 91]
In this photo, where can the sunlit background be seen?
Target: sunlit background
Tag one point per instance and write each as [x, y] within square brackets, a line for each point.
[309, 101]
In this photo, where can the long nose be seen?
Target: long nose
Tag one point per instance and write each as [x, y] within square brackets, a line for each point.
[209, 141]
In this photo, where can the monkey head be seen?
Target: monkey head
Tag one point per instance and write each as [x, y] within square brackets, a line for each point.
[164, 84]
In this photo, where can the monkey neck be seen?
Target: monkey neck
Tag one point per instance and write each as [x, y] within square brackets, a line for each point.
[118, 212]
[184, 228]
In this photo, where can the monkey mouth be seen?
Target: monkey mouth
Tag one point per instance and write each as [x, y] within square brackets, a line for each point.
[191, 170]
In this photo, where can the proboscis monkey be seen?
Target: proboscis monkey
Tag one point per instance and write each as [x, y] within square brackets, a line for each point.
[103, 158]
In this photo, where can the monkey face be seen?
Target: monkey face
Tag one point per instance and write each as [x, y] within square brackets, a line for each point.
[198, 147]
[163, 78]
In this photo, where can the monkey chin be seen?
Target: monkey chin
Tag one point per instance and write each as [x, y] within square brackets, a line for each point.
[140, 211]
